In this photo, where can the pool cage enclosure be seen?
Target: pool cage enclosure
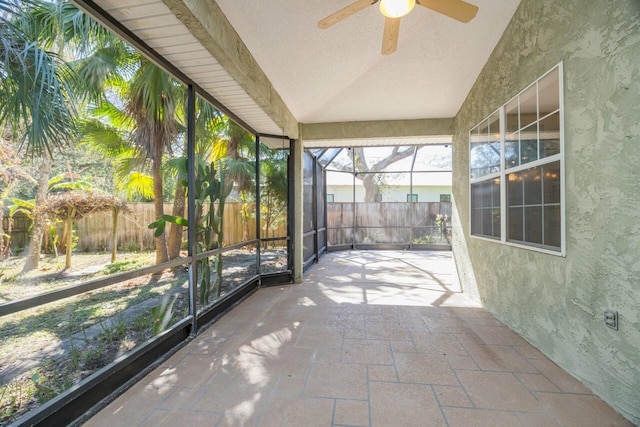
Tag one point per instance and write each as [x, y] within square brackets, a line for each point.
[376, 197]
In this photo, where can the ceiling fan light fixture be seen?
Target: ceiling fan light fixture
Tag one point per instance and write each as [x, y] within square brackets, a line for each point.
[396, 8]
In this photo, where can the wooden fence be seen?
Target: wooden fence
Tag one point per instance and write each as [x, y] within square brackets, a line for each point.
[94, 232]
[385, 222]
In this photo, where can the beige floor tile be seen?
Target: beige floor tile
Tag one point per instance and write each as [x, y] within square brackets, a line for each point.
[497, 390]
[190, 371]
[176, 398]
[396, 404]
[355, 333]
[461, 362]
[537, 382]
[366, 351]
[319, 337]
[328, 354]
[529, 352]
[424, 368]
[155, 419]
[538, 419]
[297, 412]
[291, 385]
[131, 408]
[559, 377]
[234, 393]
[191, 419]
[469, 337]
[337, 380]
[581, 410]
[431, 342]
[498, 358]
[498, 335]
[462, 417]
[382, 373]
[402, 346]
[387, 331]
[289, 361]
[351, 413]
[452, 396]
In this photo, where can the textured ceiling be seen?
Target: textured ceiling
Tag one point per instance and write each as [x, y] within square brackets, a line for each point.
[339, 74]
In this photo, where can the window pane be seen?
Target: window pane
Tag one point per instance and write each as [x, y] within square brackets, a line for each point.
[515, 220]
[552, 226]
[512, 116]
[532, 187]
[550, 135]
[551, 175]
[529, 144]
[549, 93]
[512, 150]
[514, 189]
[495, 219]
[476, 221]
[533, 224]
[528, 107]
[487, 198]
[487, 223]
[494, 127]
[476, 195]
[495, 192]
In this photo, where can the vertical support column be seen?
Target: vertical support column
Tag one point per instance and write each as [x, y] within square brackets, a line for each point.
[191, 206]
[258, 216]
[298, 226]
[326, 212]
[316, 243]
[411, 219]
[353, 201]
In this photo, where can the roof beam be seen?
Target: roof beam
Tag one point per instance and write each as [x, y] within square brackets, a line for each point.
[377, 129]
[207, 23]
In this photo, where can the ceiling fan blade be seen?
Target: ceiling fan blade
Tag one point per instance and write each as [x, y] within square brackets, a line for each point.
[344, 13]
[390, 37]
[456, 9]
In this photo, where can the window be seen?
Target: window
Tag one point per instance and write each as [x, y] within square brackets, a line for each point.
[330, 198]
[445, 198]
[519, 147]
[412, 198]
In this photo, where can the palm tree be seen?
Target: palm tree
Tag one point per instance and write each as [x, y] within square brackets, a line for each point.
[141, 98]
[36, 92]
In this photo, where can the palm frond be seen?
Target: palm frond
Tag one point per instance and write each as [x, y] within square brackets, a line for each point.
[137, 185]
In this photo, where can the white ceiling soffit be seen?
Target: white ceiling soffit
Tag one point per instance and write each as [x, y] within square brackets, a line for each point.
[339, 74]
[378, 142]
[156, 25]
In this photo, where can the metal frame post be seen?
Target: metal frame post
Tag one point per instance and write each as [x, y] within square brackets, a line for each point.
[258, 216]
[191, 206]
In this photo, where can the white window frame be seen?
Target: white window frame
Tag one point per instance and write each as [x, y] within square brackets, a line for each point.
[503, 173]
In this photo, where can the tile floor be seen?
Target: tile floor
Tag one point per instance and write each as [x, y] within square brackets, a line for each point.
[369, 339]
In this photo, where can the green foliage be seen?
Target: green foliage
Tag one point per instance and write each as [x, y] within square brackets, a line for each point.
[162, 315]
[44, 391]
[120, 266]
[424, 240]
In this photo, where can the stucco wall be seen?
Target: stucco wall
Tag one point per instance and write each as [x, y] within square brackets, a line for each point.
[557, 303]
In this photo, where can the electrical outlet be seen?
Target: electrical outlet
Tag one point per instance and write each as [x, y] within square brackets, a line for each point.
[611, 319]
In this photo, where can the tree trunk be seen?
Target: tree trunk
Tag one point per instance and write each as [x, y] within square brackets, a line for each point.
[174, 240]
[33, 255]
[371, 189]
[158, 205]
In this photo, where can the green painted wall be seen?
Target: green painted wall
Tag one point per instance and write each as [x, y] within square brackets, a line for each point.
[557, 303]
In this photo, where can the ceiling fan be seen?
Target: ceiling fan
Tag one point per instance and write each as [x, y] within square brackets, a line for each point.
[393, 10]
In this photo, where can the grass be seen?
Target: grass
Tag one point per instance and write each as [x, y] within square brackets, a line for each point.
[25, 334]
